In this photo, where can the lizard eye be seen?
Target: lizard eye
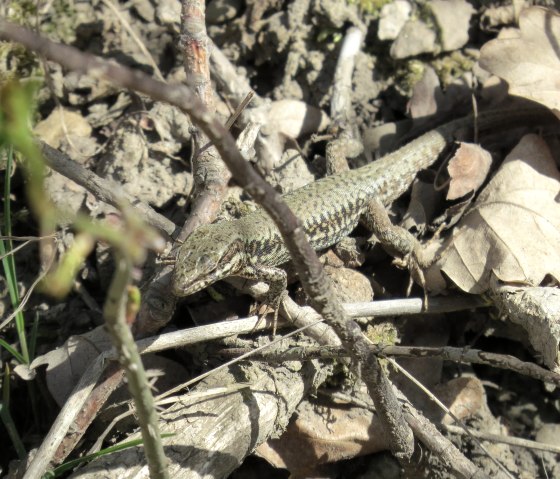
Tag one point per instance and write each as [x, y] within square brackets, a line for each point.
[205, 263]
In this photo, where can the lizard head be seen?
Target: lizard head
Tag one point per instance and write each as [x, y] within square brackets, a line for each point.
[211, 253]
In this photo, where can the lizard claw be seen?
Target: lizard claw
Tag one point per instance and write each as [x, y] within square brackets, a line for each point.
[270, 305]
[416, 262]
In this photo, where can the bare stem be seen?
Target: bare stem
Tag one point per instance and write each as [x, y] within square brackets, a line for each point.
[115, 313]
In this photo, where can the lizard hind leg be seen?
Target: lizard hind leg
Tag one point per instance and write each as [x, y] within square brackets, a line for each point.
[413, 255]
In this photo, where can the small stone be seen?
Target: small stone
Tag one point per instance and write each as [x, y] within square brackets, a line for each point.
[350, 285]
[414, 39]
[549, 434]
[221, 11]
[453, 18]
[145, 10]
[168, 12]
[392, 18]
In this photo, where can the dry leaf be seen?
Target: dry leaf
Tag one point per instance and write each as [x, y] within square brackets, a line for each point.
[530, 62]
[464, 396]
[423, 200]
[328, 432]
[512, 233]
[320, 435]
[468, 169]
[66, 364]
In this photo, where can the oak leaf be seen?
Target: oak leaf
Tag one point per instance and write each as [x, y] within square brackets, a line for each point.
[513, 231]
[529, 61]
[468, 170]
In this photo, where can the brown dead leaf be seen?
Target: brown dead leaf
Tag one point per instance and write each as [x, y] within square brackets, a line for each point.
[468, 169]
[512, 233]
[424, 199]
[320, 435]
[66, 364]
[464, 396]
[328, 431]
[529, 62]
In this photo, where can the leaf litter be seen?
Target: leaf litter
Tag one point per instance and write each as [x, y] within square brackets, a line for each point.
[514, 222]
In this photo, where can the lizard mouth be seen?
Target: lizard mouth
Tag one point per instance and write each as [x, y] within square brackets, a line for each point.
[182, 288]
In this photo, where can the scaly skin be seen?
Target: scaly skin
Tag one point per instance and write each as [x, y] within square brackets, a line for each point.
[329, 209]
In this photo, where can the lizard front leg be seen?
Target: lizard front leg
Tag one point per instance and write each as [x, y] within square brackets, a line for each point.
[277, 281]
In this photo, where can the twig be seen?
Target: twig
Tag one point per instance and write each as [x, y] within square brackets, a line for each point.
[440, 446]
[447, 353]
[443, 407]
[210, 175]
[135, 37]
[115, 313]
[109, 380]
[234, 116]
[25, 299]
[407, 306]
[341, 102]
[104, 190]
[511, 441]
[345, 145]
[21, 246]
[475, 356]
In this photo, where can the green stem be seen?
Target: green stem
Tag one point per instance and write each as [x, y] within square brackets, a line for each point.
[114, 311]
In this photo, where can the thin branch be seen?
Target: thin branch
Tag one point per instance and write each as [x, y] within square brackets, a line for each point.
[135, 37]
[210, 175]
[117, 308]
[511, 441]
[104, 190]
[346, 143]
[341, 101]
[447, 353]
[25, 299]
[443, 407]
[440, 446]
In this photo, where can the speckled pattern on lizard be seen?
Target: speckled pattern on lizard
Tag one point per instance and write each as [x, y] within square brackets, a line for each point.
[329, 210]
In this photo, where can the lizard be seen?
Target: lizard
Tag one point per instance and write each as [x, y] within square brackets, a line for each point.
[329, 209]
